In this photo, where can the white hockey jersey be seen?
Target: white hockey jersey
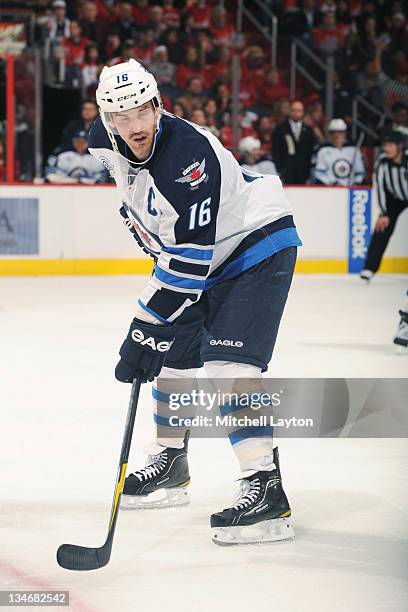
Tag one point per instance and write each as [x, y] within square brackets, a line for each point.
[334, 166]
[76, 167]
[195, 211]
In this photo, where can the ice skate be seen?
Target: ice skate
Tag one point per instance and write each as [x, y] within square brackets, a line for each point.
[259, 515]
[162, 483]
[401, 337]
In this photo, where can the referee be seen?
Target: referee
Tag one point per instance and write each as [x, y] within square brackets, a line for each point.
[391, 179]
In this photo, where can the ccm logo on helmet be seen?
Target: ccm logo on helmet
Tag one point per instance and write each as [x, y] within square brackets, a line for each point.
[127, 97]
[236, 343]
[139, 337]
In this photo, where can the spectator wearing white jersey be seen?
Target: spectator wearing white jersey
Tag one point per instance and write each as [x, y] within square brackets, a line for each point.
[337, 162]
[77, 166]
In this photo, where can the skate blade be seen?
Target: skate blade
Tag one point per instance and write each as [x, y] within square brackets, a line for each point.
[274, 530]
[162, 498]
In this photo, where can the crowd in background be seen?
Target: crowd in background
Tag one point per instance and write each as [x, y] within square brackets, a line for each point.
[188, 45]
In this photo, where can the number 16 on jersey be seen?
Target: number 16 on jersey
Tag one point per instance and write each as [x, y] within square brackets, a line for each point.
[200, 214]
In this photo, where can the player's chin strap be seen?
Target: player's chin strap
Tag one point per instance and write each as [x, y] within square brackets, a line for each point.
[115, 144]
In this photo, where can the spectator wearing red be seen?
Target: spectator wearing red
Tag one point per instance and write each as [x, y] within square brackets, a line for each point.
[272, 88]
[329, 37]
[171, 14]
[75, 45]
[253, 66]
[141, 12]
[223, 98]
[191, 67]
[93, 27]
[221, 68]
[145, 46]
[222, 32]
[104, 10]
[201, 12]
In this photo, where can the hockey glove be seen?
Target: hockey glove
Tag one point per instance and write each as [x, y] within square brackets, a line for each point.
[144, 351]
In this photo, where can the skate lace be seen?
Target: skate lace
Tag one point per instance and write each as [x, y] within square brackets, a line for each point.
[248, 493]
[155, 464]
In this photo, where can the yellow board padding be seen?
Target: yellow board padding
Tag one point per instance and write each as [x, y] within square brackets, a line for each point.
[66, 267]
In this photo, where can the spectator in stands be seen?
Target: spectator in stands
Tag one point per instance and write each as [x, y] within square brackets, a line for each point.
[171, 14]
[302, 22]
[281, 110]
[173, 40]
[76, 165]
[214, 117]
[201, 12]
[198, 117]
[156, 21]
[124, 24]
[89, 112]
[343, 14]
[145, 46]
[272, 89]
[253, 66]
[127, 51]
[141, 12]
[214, 70]
[112, 47]
[222, 32]
[314, 118]
[264, 131]
[191, 67]
[93, 27]
[90, 70]
[328, 38]
[338, 163]
[58, 23]
[252, 157]
[75, 45]
[179, 110]
[222, 98]
[194, 96]
[394, 90]
[163, 70]
[292, 147]
[399, 120]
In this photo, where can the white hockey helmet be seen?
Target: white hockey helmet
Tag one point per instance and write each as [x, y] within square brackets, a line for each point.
[337, 125]
[249, 144]
[125, 86]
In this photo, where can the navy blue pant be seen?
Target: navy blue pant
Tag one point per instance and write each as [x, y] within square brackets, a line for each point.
[236, 320]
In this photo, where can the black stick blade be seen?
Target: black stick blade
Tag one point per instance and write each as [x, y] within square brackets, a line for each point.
[81, 558]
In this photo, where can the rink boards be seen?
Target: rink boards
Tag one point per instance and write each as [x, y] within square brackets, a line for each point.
[57, 230]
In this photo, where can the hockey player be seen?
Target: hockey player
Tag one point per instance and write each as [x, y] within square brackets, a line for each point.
[391, 181]
[224, 244]
[76, 166]
[337, 161]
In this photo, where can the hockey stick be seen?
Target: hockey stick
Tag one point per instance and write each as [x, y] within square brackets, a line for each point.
[81, 558]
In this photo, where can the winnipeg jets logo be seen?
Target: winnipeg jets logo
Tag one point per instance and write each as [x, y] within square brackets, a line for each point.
[194, 175]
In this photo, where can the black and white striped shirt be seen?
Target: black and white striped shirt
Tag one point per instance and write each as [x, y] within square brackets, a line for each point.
[391, 181]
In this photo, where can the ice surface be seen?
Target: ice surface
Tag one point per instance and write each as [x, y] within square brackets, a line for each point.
[62, 416]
